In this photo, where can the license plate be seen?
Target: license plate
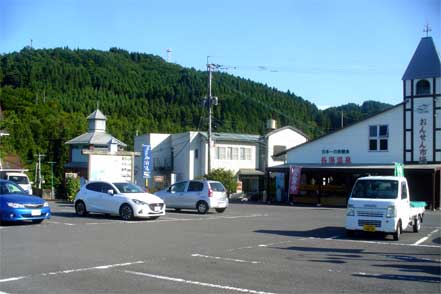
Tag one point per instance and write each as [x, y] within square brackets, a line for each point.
[369, 228]
[36, 212]
[157, 208]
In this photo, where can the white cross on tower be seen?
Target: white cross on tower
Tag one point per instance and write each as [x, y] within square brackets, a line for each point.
[427, 29]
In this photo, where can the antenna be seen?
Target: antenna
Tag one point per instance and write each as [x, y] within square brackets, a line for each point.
[169, 54]
[30, 46]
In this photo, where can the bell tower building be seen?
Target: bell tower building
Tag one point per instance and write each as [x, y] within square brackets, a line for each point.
[422, 105]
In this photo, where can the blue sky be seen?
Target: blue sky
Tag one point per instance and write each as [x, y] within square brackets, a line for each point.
[328, 52]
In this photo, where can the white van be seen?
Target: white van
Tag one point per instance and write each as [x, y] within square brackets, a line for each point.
[21, 179]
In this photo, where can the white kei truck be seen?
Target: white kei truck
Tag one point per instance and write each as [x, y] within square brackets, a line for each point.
[382, 204]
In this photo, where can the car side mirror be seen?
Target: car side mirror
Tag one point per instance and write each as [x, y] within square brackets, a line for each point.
[110, 192]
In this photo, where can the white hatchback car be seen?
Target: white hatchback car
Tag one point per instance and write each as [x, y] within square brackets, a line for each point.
[195, 194]
[120, 198]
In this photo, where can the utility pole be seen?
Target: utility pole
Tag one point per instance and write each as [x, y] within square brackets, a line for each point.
[38, 169]
[210, 101]
[52, 178]
[341, 121]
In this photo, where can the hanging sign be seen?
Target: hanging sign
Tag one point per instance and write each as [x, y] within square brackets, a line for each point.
[295, 173]
[146, 161]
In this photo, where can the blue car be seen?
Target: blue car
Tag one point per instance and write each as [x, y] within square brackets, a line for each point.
[17, 205]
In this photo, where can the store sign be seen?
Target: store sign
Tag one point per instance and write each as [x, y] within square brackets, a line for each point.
[146, 161]
[110, 168]
[423, 143]
[295, 173]
[336, 157]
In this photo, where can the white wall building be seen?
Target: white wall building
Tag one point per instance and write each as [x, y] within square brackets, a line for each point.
[186, 154]
[408, 133]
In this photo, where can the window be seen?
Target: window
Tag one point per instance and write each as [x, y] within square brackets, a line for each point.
[247, 153]
[423, 87]
[278, 149]
[372, 131]
[242, 153]
[372, 145]
[403, 191]
[94, 187]
[384, 131]
[220, 153]
[178, 187]
[195, 186]
[229, 153]
[217, 187]
[379, 138]
[235, 153]
[196, 153]
[383, 145]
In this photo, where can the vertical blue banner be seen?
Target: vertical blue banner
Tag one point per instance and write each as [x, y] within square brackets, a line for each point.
[146, 161]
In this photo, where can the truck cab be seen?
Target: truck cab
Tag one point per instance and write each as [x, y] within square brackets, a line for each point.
[382, 204]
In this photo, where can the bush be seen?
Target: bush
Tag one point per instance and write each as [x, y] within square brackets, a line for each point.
[72, 187]
[226, 177]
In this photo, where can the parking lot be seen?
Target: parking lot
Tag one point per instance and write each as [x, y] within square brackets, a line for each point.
[251, 248]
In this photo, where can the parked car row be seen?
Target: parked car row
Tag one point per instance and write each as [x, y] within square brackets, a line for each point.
[124, 199]
[129, 200]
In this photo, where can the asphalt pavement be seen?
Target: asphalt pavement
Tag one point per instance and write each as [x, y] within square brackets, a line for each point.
[250, 248]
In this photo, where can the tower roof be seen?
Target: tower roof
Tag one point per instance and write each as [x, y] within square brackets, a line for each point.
[97, 114]
[425, 62]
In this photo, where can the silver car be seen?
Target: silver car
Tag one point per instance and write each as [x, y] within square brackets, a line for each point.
[195, 194]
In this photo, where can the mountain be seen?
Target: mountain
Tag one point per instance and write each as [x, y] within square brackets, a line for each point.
[47, 94]
[351, 112]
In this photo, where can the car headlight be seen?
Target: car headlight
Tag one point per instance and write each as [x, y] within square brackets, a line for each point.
[350, 211]
[139, 202]
[390, 211]
[46, 204]
[15, 205]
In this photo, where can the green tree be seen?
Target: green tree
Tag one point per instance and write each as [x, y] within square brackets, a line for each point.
[224, 176]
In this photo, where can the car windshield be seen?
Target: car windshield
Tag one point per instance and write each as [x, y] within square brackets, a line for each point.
[10, 188]
[381, 189]
[19, 179]
[217, 187]
[128, 188]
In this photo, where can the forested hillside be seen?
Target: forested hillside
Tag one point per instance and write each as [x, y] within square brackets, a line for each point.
[46, 96]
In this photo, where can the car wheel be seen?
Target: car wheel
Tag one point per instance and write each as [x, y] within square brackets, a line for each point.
[202, 207]
[80, 208]
[397, 233]
[220, 210]
[126, 212]
[416, 224]
[37, 221]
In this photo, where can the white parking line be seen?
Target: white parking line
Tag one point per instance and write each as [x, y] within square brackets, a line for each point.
[203, 284]
[69, 271]
[378, 242]
[166, 219]
[336, 240]
[12, 279]
[424, 239]
[225, 258]
[60, 223]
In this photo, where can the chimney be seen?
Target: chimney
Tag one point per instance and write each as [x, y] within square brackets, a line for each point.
[270, 125]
